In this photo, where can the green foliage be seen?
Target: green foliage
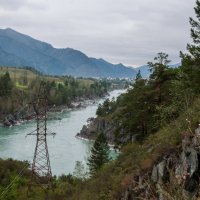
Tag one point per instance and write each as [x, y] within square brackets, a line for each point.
[149, 104]
[107, 107]
[138, 75]
[194, 49]
[5, 84]
[99, 154]
[159, 66]
[79, 170]
[18, 91]
[191, 60]
[9, 176]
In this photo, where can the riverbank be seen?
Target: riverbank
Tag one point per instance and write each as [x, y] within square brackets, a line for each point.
[27, 113]
[111, 146]
[96, 125]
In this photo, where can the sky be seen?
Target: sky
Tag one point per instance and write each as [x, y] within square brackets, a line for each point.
[131, 32]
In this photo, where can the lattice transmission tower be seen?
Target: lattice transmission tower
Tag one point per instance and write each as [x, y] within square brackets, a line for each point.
[41, 168]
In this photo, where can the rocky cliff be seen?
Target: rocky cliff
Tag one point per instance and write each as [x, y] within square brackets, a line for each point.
[109, 127]
[98, 125]
[175, 174]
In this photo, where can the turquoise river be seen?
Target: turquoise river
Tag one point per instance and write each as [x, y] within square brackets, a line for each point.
[64, 149]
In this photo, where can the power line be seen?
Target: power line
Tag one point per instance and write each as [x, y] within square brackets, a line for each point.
[20, 174]
[41, 169]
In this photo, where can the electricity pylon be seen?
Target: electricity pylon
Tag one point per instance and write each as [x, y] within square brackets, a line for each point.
[41, 168]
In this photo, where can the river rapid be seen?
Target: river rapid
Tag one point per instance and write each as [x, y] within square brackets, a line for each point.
[64, 149]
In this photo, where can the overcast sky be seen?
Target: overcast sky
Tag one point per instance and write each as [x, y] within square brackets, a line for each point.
[120, 31]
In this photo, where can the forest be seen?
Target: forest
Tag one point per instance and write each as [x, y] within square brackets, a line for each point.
[19, 86]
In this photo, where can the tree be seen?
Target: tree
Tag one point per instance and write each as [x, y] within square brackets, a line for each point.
[99, 154]
[159, 73]
[194, 49]
[138, 75]
[104, 109]
[79, 170]
[158, 67]
[191, 60]
[5, 84]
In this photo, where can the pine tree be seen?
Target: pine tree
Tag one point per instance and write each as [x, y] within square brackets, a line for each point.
[99, 154]
[158, 75]
[5, 84]
[79, 170]
[138, 75]
[194, 49]
[191, 60]
[158, 67]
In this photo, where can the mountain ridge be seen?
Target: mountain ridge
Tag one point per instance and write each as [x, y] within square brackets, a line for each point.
[17, 49]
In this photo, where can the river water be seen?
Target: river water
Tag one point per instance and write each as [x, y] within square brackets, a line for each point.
[64, 149]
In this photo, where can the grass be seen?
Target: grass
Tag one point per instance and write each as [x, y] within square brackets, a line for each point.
[18, 73]
[85, 82]
[19, 86]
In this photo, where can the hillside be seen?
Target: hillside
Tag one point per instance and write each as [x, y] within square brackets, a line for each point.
[17, 49]
[18, 86]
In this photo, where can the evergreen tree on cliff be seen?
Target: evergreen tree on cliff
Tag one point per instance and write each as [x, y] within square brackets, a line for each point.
[99, 154]
[191, 60]
[159, 75]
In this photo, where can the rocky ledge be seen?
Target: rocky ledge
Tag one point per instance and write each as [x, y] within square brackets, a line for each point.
[98, 125]
[95, 126]
[174, 176]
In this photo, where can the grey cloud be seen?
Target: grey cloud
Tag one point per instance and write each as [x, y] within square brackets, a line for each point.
[128, 31]
[12, 4]
[15, 5]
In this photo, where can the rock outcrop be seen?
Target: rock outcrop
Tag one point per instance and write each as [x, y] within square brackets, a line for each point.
[98, 125]
[174, 176]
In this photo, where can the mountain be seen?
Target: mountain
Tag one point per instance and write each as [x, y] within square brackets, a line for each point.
[108, 69]
[18, 50]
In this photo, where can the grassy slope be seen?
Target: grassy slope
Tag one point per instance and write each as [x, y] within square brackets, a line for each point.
[115, 178]
[17, 73]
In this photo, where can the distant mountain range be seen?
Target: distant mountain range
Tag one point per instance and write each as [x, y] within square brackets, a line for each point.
[17, 49]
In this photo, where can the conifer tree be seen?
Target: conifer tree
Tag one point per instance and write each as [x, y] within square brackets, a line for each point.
[99, 154]
[191, 60]
[138, 75]
[5, 84]
[79, 170]
[158, 75]
[194, 49]
[158, 67]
